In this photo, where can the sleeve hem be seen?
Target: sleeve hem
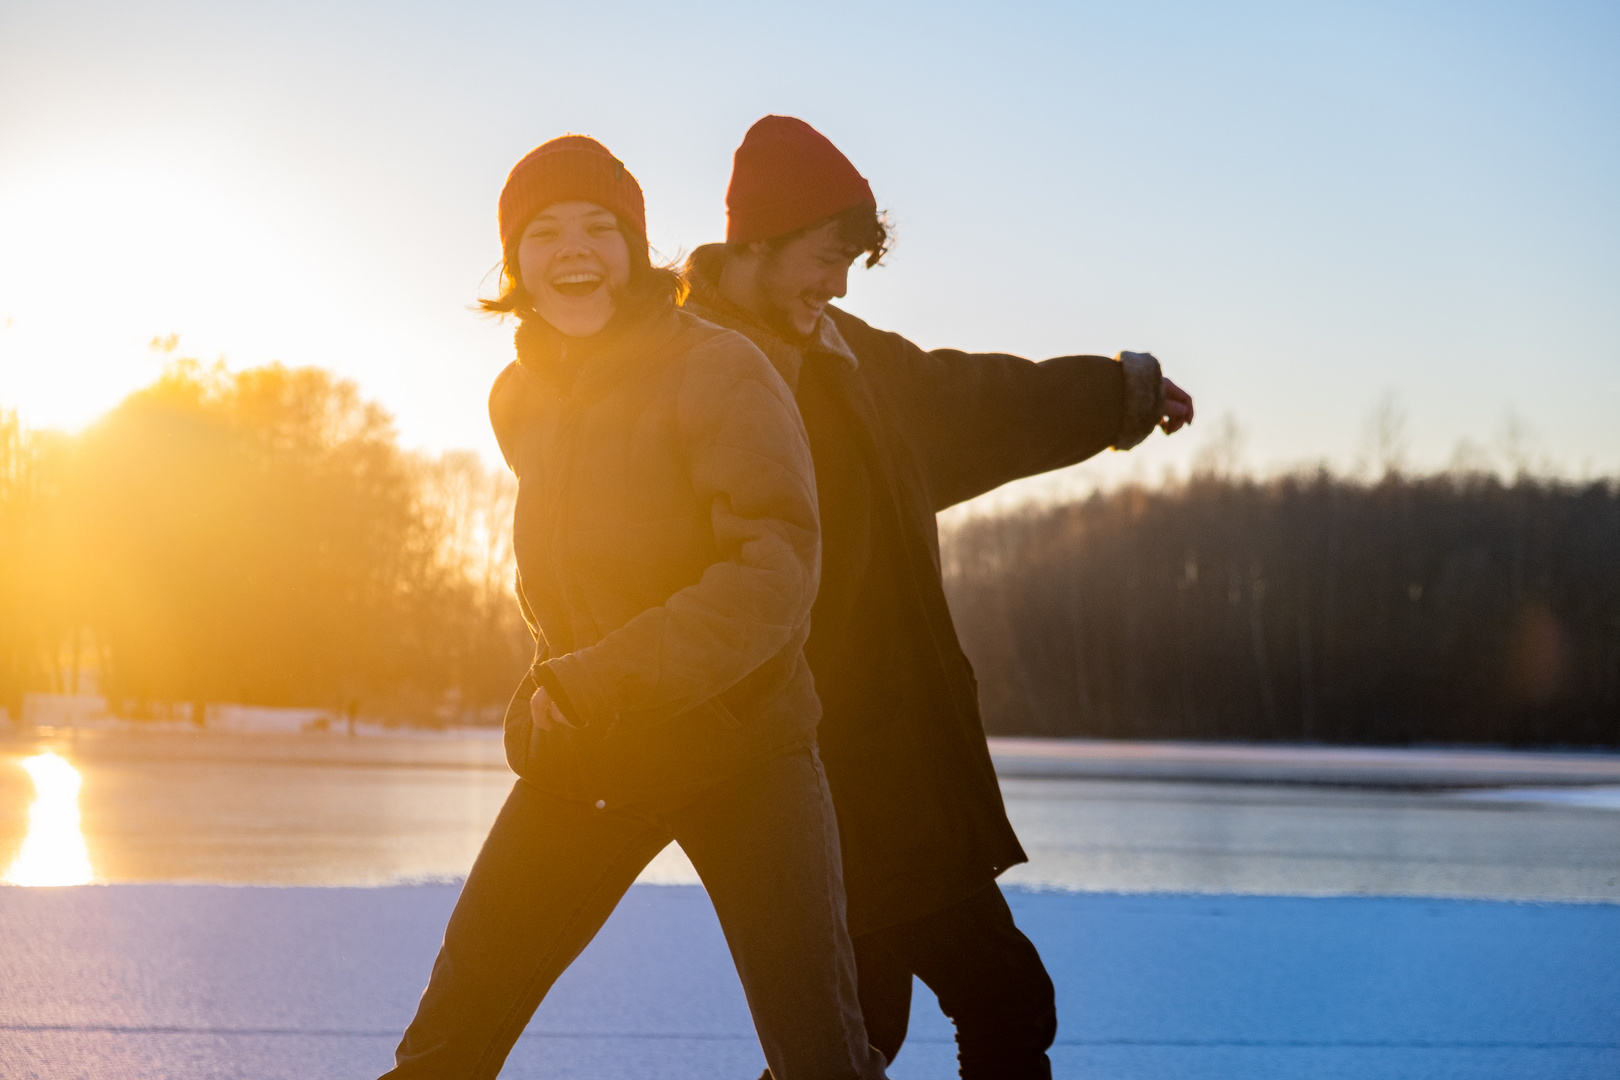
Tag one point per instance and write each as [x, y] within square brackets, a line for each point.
[546, 678]
[570, 689]
[1144, 399]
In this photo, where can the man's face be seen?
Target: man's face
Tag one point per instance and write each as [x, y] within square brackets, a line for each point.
[797, 281]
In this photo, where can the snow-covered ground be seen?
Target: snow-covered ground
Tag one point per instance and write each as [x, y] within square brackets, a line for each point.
[213, 982]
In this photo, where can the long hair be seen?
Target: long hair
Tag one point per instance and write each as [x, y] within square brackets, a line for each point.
[649, 284]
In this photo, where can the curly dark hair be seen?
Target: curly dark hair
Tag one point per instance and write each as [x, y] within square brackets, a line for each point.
[861, 229]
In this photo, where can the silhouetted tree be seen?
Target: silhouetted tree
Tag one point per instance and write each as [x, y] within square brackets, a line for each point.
[260, 537]
[468, 509]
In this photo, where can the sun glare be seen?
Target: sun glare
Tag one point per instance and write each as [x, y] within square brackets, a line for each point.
[98, 259]
[54, 852]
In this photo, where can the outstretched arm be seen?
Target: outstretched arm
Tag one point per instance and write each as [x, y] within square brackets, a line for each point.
[983, 419]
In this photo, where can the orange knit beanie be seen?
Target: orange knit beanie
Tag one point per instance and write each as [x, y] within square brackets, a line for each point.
[570, 167]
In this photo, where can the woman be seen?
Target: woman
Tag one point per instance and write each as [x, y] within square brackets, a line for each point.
[668, 554]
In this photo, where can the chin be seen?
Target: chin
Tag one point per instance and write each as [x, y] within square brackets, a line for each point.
[576, 322]
[805, 322]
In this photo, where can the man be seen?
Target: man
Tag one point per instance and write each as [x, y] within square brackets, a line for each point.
[898, 434]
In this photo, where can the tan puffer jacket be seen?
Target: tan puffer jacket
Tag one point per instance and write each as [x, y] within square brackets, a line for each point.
[668, 554]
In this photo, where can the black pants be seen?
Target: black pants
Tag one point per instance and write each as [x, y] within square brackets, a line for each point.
[989, 979]
[987, 975]
[551, 871]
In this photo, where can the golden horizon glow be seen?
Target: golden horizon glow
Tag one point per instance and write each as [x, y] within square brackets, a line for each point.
[102, 257]
[54, 851]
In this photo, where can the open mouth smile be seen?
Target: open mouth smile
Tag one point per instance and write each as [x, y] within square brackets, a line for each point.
[582, 283]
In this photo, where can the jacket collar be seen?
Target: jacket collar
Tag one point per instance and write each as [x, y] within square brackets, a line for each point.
[564, 364]
[706, 301]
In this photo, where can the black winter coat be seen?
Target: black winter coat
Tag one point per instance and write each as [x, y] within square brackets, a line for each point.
[919, 807]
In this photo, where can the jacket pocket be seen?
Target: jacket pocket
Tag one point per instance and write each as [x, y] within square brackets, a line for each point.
[556, 761]
[517, 730]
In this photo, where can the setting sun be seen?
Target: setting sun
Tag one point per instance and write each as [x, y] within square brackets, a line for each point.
[102, 257]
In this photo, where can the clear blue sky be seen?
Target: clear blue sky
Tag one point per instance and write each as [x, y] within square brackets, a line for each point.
[1299, 208]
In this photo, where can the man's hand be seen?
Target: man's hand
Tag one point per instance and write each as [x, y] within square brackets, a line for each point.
[1178, 409]
[544, 712]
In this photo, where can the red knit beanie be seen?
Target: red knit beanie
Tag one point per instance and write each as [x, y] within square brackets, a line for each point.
[572, 167]
[787, 175]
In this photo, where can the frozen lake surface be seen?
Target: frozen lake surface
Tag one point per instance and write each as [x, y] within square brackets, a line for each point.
[1207, 912]
[1133, 817]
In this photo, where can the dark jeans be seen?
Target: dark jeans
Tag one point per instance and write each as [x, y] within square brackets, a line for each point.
[551, 871]
[989, 979]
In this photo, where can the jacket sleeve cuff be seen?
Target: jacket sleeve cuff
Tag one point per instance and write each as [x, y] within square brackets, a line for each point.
[546, 678]
[1144, 398]
[566, 682]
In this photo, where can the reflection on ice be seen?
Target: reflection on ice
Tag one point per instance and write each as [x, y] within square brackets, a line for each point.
[1594, 797]
[54, 852]
[386, 808]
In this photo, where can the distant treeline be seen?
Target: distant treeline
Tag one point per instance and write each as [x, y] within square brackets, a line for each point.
[1438, 609]
[260, 538]
[255, 537]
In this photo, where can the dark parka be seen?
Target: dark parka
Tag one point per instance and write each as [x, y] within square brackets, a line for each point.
[667, 548]
[919, 808]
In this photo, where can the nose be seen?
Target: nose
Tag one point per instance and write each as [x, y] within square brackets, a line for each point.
[837, 281]
[575, 242]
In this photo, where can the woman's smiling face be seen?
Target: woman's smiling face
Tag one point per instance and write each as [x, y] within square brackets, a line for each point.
[575, 264]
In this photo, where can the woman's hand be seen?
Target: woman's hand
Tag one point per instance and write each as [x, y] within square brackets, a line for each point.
[1178, 408]
[543, 712]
